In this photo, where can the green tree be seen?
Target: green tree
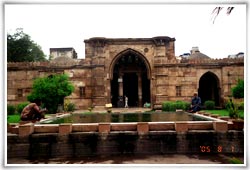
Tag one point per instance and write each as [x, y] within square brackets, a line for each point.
[238, 90]
[51, 90]
[21, 48]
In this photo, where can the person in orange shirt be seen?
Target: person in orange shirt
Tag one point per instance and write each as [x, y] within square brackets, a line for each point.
[33, 112]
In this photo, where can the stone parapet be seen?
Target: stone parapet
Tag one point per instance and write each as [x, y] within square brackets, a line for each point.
[181, 126]
[123, 126]
[78, 144]
[65, 128]
[91, 127]
[220, 126]
[142, 127]
[26, 129]
[104, 127]
[54, 128]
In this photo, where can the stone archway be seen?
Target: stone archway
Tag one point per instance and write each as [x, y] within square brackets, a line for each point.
[130, 76]
[209, 88]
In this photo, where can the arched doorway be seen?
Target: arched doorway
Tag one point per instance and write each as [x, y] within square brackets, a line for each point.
[209, 88]
[130, 77]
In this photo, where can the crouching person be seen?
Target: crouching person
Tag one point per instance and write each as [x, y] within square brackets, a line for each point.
[32, 111]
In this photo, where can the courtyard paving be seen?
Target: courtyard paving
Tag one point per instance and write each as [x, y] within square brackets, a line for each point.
[133, 159]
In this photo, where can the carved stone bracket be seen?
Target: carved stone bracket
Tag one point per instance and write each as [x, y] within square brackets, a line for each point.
[162, 40]
[98, 41]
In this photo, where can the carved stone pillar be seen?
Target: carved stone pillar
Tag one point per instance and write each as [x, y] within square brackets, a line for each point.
[120, 81]
[139, 89]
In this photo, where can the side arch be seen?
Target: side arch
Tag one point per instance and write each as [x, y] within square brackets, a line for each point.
[209, 88]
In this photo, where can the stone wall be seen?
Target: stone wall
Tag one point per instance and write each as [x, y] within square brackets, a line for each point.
[165, 78]
[80, 144]
[218, 135]
[94, 73]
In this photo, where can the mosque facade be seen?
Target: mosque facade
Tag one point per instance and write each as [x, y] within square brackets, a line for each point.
[143, 69]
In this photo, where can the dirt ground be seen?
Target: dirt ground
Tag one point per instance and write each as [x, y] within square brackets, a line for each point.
[132, 159]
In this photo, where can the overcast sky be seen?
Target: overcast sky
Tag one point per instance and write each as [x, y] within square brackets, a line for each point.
[54, 26]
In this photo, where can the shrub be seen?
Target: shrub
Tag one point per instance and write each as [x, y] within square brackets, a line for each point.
[187, 105]
[179, 104]
[51, 90]
[166, 106]
[232, 109]
[238, 90]
[182, 105]
[241, 106]
[70, 107]
[11, 109]
[172, 106]
[209, 104]
[20, 106]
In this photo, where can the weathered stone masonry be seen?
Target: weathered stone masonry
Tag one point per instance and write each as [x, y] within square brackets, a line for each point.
[144, 69]
[79, 144]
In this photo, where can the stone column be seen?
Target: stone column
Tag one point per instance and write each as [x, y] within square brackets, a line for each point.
[108, 89]
[139, 89]
[120, 81]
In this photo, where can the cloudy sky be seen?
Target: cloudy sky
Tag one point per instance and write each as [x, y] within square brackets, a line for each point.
[57, 25]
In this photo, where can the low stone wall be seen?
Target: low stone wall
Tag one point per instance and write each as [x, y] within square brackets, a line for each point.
[31, 140]
[78, 144]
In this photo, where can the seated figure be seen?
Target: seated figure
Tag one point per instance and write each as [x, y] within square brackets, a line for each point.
[32, 111]
[195, 103]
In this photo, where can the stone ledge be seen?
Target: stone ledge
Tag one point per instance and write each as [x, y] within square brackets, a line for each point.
[91, 127]
[26, 129]
[46, 129]
[200, 126]
[158, 126]
[123, 126]
[104, 127]
[220, 126]
[142, 127]
[65, 128]
[181, 126]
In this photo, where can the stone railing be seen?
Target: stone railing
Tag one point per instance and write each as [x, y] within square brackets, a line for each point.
[222, 60]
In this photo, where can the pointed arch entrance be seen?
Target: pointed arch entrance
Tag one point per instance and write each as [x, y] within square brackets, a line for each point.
[130, 76]
[209, 88]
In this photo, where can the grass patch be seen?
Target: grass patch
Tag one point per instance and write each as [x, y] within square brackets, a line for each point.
[235, 161]
[13, 118]
[16, 118]
[224, 112]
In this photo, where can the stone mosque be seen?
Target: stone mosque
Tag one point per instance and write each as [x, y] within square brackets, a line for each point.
[143, 69]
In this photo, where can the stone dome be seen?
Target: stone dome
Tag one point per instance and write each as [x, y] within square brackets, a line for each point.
[196, 54]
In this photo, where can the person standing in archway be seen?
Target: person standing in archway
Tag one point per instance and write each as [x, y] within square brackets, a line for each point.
[195, 103]
[126, 102]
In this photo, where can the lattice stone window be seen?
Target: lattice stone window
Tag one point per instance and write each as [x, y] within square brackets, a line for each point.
[178, 90]
[19, 92]
[82, 91]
